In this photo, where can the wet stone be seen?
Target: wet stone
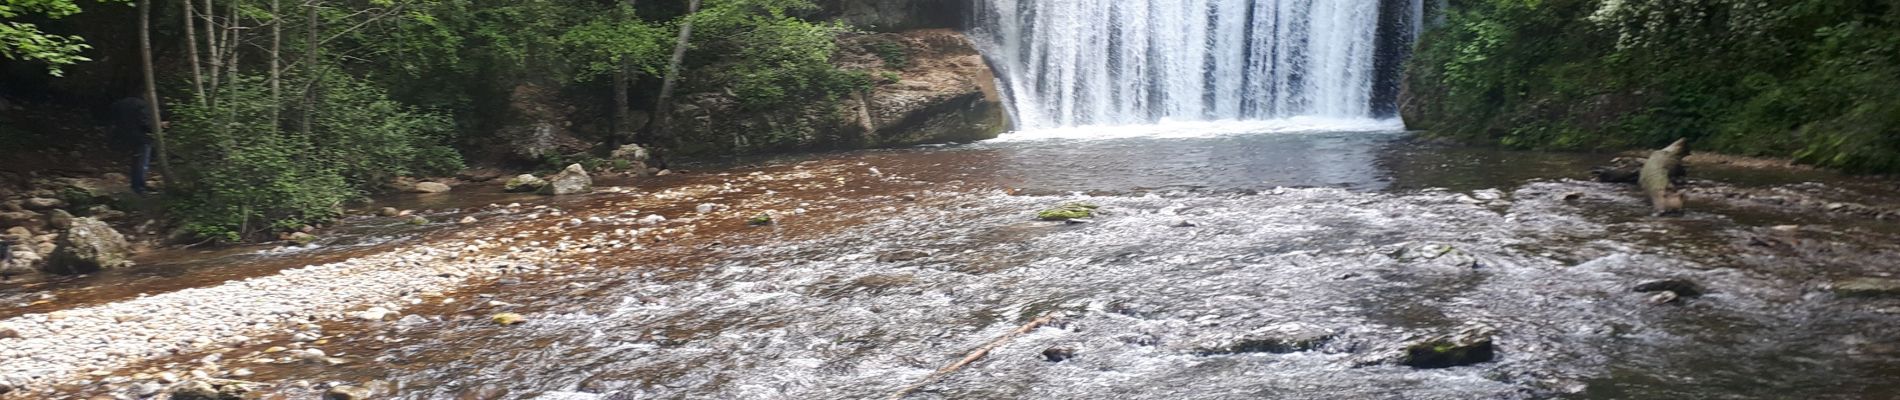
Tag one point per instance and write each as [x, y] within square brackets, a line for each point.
[901, 255]
[1283, 339]
[1867, 288]
[1681, 287]
[346, 393]
[1058, 354]
[1068, 212]
[1467, 347]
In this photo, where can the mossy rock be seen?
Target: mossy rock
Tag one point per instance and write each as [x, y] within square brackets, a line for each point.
[760, 220]
[1068, 212]
[1471, 346]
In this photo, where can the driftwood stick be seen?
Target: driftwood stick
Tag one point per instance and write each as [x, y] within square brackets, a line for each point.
[972, 357]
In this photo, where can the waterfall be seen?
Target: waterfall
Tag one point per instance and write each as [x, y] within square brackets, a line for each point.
[1116, 62]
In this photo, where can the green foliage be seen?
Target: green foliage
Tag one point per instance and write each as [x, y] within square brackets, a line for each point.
[245, 175]
[1809, 79]
[25, 41]
[894, 54]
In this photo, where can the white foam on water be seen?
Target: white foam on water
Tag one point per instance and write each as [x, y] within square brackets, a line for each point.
[1205, 129]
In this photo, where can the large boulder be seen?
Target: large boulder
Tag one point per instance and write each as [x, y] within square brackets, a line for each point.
[88, 247]
[1471, 345]
[573, 180]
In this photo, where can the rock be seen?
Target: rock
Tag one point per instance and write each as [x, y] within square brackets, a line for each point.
[901, 255]
[42, 203]
[1619, 170]
[88, 247]
[25, 219]
[147, 389]
[760, 220]
[1469, 346]
[431, 187]
[663, 172]
[418, 220]
[7, 332]
[506, 319]
[636, 158]
[375, 314]
[1058, 354]
[195, 390]
[1280, 339]
[1867, 288]
[303, 238]
[389, 212]
[346, 393]
[706, 208]
[572, 180]
[1067, 212]
[1664, 297]
[1682, 287]
[19, 233]
[524, 183]
[652, 219]
[59, 219]
[468, 220]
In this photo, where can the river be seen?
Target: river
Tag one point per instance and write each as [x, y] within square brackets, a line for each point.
[1207, 235]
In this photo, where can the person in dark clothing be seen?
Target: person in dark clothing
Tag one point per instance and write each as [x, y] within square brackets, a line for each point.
[132, 130]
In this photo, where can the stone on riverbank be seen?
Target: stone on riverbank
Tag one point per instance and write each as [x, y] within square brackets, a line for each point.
[760, 220]
[1867, 288]
[524, 183]
[572, 180]
[431, 187]
[346, 393]
[88, 247]
[1469, 346]
[1067, 212]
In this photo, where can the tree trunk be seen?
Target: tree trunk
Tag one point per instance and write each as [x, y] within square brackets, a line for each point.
[191, 46]
[623, 105]
[664, 104]
[216, 54]
[310, 68]
[276, 64]
[151, 90]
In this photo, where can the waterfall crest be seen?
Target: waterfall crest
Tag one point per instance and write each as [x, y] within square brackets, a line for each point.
[1115, 62]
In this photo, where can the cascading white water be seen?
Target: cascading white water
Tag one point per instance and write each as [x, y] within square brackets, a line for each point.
[1113, 62]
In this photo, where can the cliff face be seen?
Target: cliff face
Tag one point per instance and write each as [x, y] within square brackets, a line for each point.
[934, 87]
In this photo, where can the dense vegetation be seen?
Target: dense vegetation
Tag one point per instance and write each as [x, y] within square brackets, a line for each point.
[282, 112]
[1808, 79]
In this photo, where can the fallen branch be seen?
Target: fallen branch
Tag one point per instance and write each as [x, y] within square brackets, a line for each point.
[972, 357]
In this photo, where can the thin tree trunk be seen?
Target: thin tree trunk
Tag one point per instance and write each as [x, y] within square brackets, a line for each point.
[191, 46]
[151, 90]
[230, 41]
[216, 56]
[664, 104]
[623, 104]
[276, 64]
[310, 69]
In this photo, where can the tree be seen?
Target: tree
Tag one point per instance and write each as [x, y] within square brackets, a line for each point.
[24, 41]
[151, 90]
[663, 106]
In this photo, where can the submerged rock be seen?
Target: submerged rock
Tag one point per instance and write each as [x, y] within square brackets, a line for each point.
[1681, 287]
[1058, 354]
[1067, 212]
[1469, 346]
[760, 220]
[346, 392]
[88, 247]
[902, 255]
[1281, 339]
[524, 183]
[572, 180]
[1868, 288]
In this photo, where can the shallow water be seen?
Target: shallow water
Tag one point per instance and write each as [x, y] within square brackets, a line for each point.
[1368, 237]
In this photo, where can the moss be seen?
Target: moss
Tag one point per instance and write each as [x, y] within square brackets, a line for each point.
[760, 220]
[1067, 212]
